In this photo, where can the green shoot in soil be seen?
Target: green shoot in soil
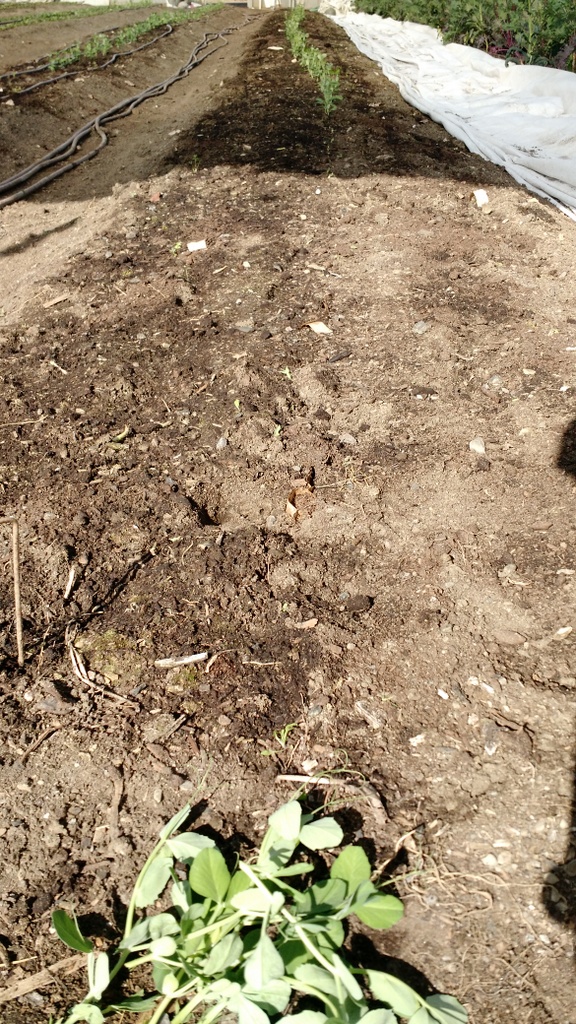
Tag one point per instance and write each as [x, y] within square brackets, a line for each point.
[313, 60]
[530, 32]
[255, 941]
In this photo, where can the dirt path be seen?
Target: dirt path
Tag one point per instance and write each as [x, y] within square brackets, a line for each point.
[411, 623]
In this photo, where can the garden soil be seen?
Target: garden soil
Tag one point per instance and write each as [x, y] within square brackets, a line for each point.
[334, 450]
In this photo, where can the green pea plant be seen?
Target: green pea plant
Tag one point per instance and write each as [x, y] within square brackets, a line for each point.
[316, 63]
[252, 942]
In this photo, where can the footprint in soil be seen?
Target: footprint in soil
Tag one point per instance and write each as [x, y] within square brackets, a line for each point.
[559, 893]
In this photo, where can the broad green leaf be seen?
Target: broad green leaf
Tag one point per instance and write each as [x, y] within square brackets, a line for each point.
[138, 936]
[181, 895]
[323, 898]
[286, 821]
[273, 998]
[333, 935]
[275, 853]
[67, 929]
[175, 822]
[135, 1004]
[421, 1017]
[98, 974]
[170, 984]
[321, 835]
[346, 977]
[310, 974]
[293, 953]
[223, 955]
[159, 973]
[248, 1012]
[263, 965]
[379, 1016]
[86, 1012]
[294, 869]
[364, 891]
[256, 901]
[353, 866]
[154, 881]
[163, 947]
[446, 1009]
[238, 883]
[305, 1017]
[187, 845]
[225, 989]
[379, 911]
[162, 924]
[209, 875]
[399, 996]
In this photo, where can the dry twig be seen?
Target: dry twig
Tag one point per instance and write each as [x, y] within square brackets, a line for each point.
[46, 977]
[17, 597]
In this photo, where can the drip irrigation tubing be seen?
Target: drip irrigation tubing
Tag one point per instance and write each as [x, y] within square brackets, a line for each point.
[97, 67]
[121, 109]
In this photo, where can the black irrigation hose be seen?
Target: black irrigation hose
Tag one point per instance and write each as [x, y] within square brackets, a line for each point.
[97, 67]
[121, 109]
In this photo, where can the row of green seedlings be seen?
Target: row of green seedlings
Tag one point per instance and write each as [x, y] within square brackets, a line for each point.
[102, 44]
[313, 60]
[530, 32]
[37, 17]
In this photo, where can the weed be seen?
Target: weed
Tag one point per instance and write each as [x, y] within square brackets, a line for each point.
[254, 941]
[313, 60]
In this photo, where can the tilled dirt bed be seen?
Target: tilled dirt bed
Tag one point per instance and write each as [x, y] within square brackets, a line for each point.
[370, 531]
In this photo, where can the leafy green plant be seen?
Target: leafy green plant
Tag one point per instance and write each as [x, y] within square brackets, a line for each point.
[313, 60]
[255, 941]
[530, 32]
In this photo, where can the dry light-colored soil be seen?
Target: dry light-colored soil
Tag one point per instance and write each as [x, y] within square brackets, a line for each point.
[411, 623]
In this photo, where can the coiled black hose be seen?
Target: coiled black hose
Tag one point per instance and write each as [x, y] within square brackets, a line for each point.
[121, 109]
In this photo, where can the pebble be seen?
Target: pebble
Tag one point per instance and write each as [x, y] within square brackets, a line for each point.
[221, 443]
[245, 326]
[347, 439]
[508, 636]
[477, 445]
[421, 327]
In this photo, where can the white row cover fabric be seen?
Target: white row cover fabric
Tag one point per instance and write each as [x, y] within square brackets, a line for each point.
[519, 116]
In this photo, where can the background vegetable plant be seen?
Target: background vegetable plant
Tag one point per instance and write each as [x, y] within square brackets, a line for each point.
[527, 31]
[254, 942]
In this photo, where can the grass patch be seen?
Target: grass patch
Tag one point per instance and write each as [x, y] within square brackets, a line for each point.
[326, 76]
[526, 32]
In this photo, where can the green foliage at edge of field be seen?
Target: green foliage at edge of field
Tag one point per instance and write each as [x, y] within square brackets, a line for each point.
[530, 32]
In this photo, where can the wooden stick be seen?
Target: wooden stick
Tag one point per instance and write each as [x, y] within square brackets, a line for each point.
[46, 977]
[17, 597]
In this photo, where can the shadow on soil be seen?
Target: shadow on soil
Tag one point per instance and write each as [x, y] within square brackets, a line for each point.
[559, 895]
[272, 119]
